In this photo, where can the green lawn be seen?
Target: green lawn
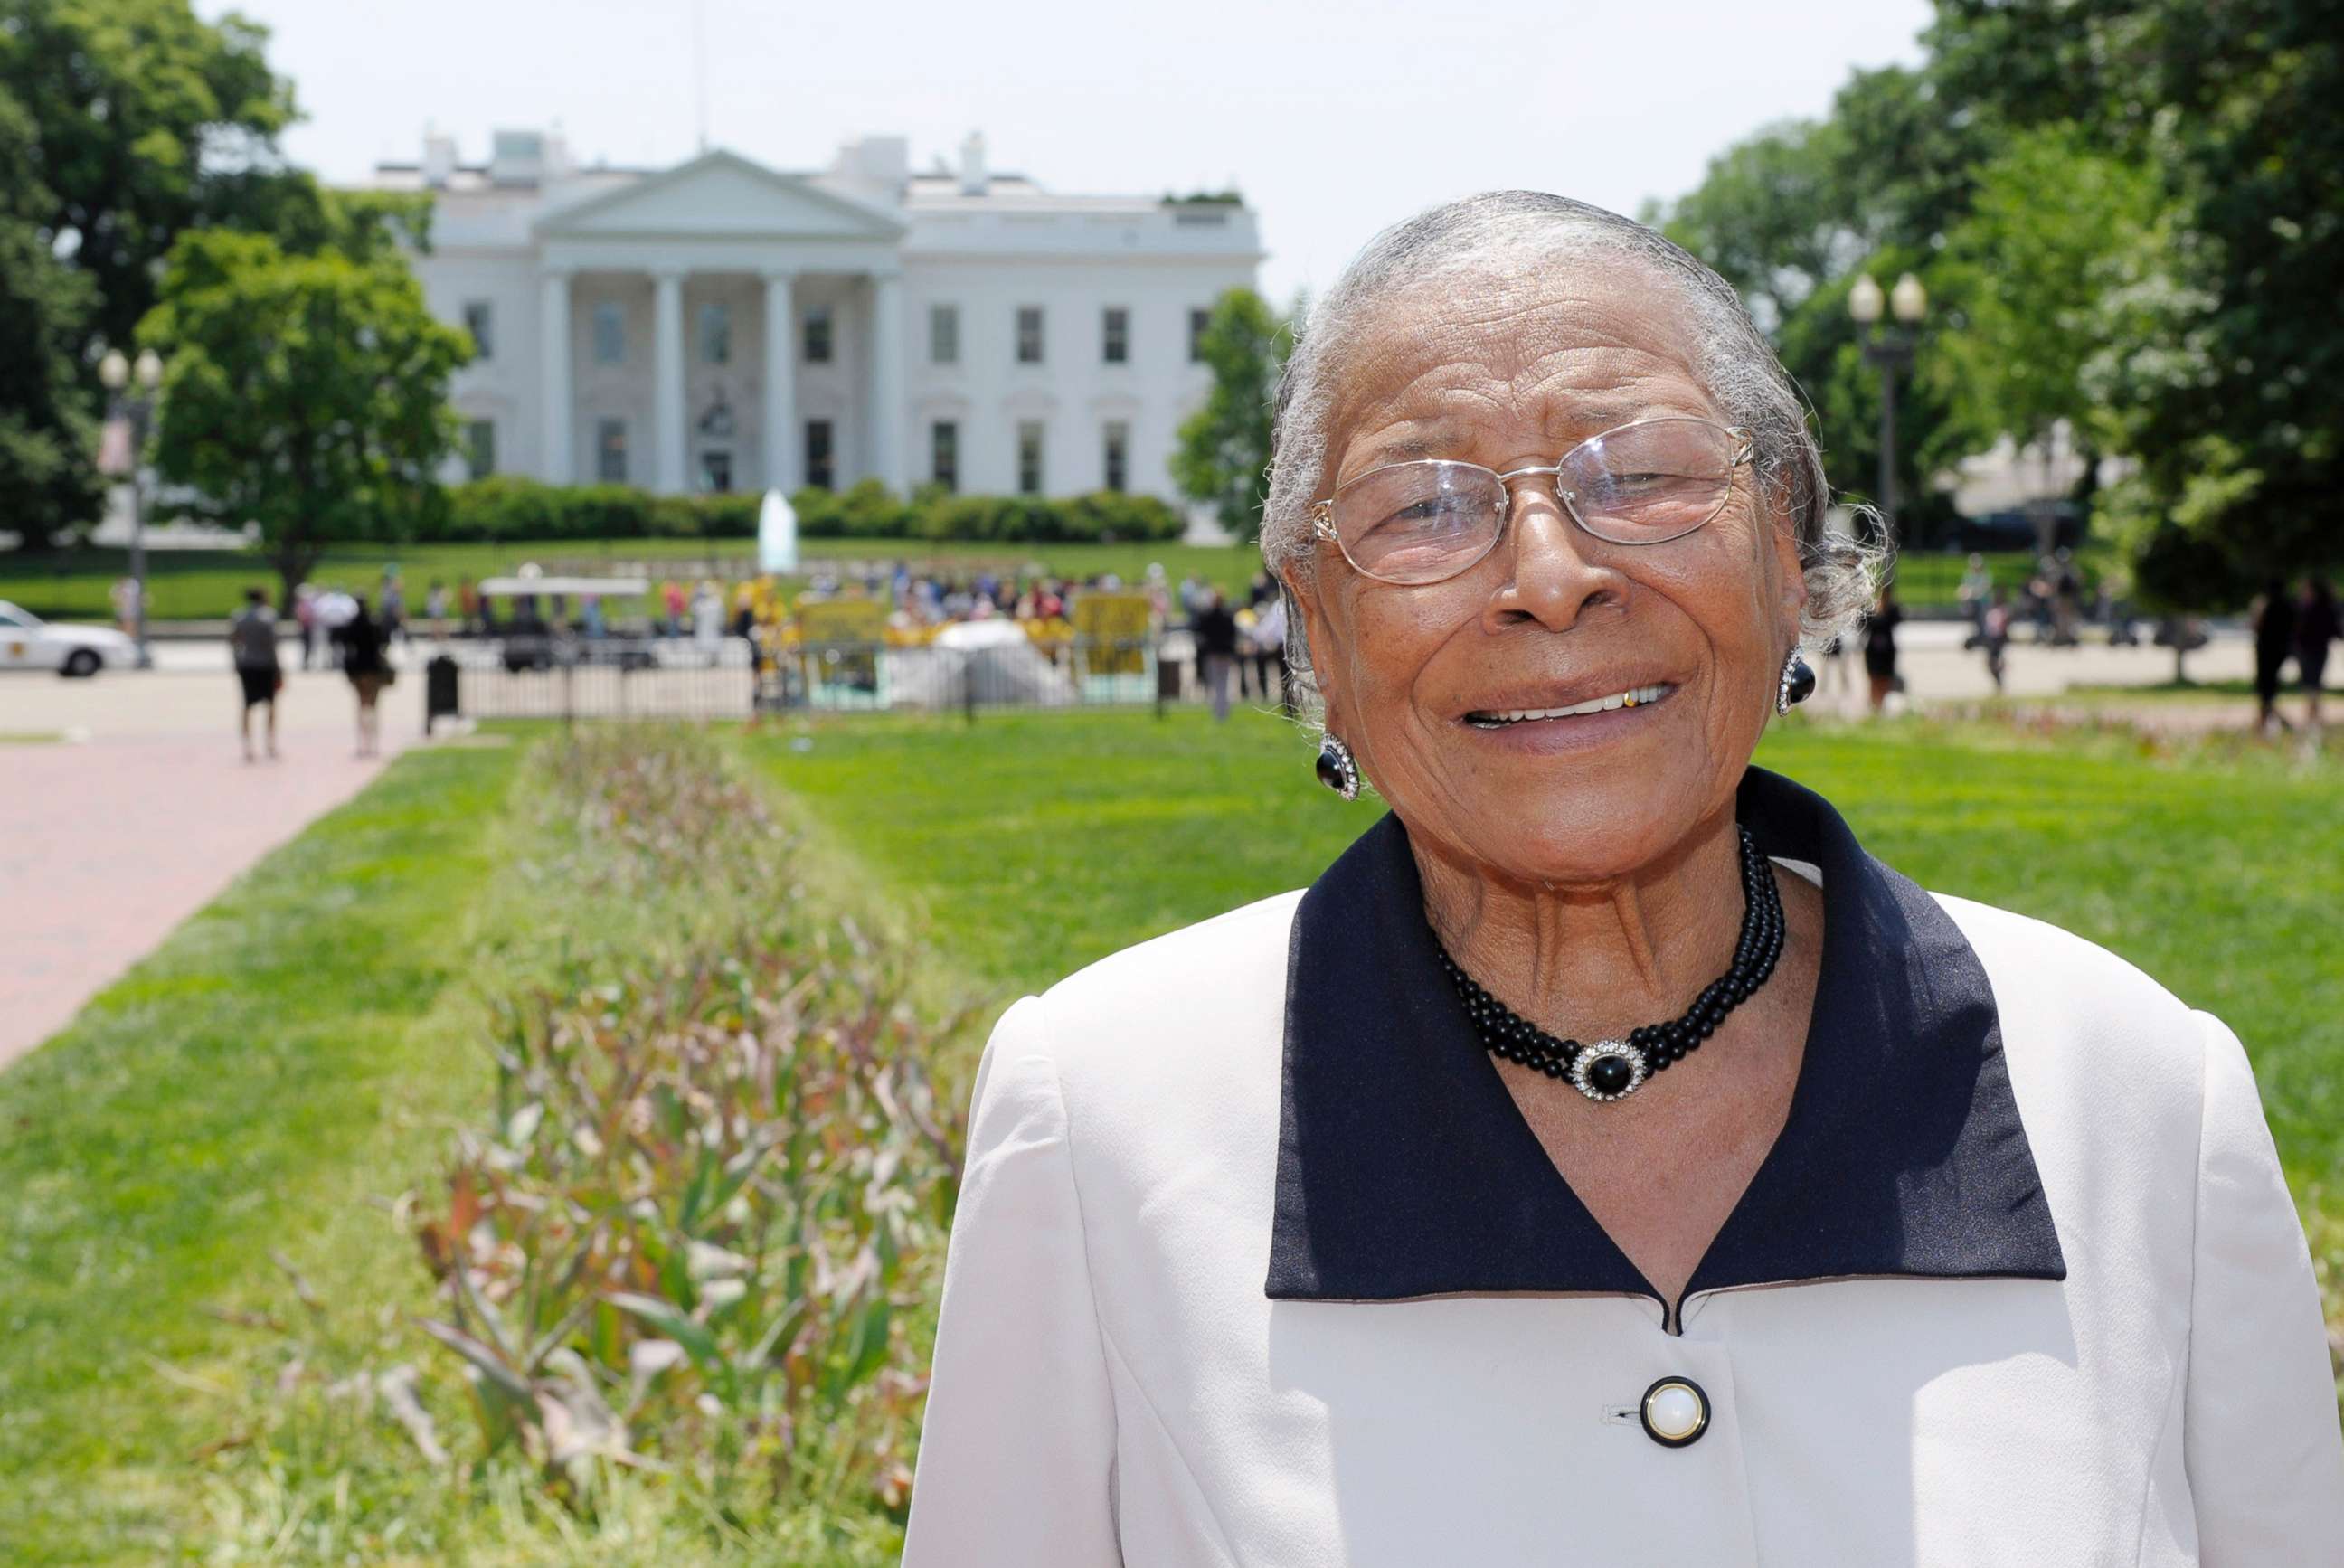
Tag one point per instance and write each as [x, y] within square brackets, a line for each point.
[306, 1047]
[296, 1049]
[1036, 843]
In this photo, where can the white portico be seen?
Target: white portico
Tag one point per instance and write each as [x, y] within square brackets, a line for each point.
[721, 325]
[718, 245]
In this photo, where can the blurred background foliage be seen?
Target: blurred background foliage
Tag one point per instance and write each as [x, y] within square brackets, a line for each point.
[2129, 218]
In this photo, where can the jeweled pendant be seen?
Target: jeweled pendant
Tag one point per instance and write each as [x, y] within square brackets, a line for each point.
[1608, 1070]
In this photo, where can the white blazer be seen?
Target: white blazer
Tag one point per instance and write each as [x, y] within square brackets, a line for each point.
[1256, 1262]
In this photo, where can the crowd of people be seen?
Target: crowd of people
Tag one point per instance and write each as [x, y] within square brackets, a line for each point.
[336, 629]
[1238, 642]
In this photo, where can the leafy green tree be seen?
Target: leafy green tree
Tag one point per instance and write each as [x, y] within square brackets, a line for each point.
[147, 121]
[1792, 215]
[47, 426]
[122, 123]
[306, 394]
[1770, 218]
[2232, 400]
[1223, 447]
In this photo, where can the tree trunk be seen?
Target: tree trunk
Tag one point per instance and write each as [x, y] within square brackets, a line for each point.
[294, 563]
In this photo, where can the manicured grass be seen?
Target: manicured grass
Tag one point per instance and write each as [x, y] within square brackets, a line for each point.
[1036, 843]
[204, 585]
[2231, 691]
[296, 1049]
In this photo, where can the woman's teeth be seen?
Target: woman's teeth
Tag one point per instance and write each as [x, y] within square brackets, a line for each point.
[1634, 697]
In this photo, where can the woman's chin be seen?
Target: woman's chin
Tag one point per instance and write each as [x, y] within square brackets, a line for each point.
[1576, 836]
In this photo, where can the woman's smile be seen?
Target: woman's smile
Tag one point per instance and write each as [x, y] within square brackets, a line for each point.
[1597, 722]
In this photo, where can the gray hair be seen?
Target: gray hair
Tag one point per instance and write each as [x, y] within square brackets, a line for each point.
[1509, 233]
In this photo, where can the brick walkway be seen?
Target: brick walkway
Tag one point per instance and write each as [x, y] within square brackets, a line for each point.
[110, 842]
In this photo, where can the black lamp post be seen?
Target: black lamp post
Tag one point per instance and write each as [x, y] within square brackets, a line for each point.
[136, 408]
[1891, 350]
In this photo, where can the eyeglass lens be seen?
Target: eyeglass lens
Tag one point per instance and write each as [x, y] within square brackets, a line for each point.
[1641, 484]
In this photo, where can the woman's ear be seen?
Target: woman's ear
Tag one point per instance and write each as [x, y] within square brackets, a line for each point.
[1302, 590]
[1793, 604]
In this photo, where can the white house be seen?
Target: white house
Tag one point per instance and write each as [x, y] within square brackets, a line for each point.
[721, 325]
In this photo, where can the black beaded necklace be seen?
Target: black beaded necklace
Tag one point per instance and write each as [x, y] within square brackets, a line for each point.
[1608, 1070]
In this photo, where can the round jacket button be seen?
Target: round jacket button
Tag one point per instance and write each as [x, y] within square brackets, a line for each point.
[1676, 1413]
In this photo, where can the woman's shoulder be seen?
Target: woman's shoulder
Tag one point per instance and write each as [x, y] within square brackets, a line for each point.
[1175, 1003]
[2064, 996]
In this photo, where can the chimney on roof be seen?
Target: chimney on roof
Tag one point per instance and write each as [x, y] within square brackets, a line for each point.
[517, 157]
[973, 180]
[438, 158]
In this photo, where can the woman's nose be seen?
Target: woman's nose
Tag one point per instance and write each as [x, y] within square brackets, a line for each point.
[1554, 575]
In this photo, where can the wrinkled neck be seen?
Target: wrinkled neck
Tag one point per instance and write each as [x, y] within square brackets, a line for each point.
[1593, 960]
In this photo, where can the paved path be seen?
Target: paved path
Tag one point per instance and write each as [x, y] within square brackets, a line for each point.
[110, 839]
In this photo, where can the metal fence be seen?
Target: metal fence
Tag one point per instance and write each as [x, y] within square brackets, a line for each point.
[566, 677]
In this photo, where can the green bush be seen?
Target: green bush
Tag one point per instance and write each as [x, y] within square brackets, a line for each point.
[509, 507]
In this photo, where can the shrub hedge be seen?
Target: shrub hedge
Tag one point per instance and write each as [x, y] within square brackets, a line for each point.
[509, 507]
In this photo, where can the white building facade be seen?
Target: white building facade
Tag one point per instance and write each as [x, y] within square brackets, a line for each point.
[723, 326]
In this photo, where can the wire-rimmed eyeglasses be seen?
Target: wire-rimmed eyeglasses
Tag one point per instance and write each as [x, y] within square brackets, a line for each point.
[1429, 520]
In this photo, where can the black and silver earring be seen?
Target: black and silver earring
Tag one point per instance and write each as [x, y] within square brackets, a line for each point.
[1336, 771]
[1798, 682]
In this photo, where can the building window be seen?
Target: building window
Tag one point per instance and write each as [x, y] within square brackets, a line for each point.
[944, 334]
[1029, 334]
[480, 321]
[818, 335]
[716, 472]
[480, 447]
[715, 335]
[1115, 343]
[1118, 463]
[610, 333]
[1029, 457]
[819, 473]
[611, 451]
[944, 453]
[1198, 321]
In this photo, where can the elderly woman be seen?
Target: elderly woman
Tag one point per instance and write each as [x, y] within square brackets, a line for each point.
[1606, 1161]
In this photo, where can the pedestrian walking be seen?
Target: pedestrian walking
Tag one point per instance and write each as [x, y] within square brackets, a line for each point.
[127, 597]
[252, 645]
[2316, 626]
[2274, 619]
[1216, 631]
[361, 639]
[1880, 646]
[1993, 635]
[435, 609]
[1269, 638]
[305, 616]
[390, 608]
[2067, 598]
[1975, 593]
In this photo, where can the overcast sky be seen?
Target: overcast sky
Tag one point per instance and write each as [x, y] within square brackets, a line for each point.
[1334, 116]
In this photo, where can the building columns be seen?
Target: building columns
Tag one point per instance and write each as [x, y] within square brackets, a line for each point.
[555, 464]
[668, 471]
[781, 383]
[887, 378]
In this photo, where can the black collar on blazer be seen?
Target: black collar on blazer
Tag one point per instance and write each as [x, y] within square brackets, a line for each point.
[1404, 1168]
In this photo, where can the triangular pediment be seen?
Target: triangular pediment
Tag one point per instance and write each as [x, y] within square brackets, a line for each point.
[722, 194]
